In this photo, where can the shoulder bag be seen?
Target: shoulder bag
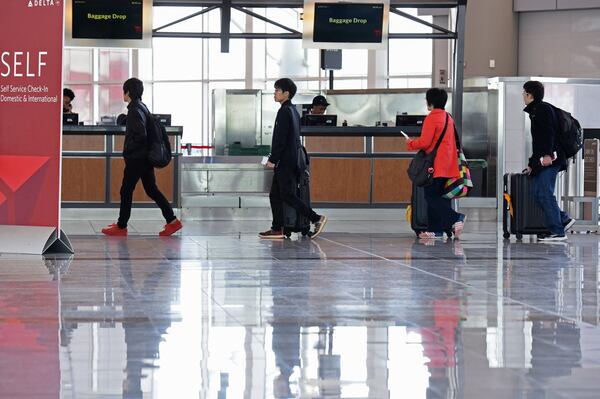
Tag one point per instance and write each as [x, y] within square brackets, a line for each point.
[420, 170]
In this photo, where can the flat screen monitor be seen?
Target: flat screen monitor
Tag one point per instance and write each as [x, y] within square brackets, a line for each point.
[108, 23]
[107, 19]
[410, 120]
[165, 119]
[348, 22]
[320, 120]
[70, 119]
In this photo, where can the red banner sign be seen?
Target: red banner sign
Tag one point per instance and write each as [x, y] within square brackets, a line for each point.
[30, 112]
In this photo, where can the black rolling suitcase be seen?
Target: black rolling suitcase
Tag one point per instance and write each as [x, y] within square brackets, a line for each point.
[293, 222]
[418, 204]
[521, 215]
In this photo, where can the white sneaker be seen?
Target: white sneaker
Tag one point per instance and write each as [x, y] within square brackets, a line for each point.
[569, 224]
[553, 237]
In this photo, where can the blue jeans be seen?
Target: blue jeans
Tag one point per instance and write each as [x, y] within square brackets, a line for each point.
[543, 193]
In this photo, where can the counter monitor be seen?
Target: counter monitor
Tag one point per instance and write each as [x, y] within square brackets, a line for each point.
[410, 120]
[320, 120]
[165, 119]
[70, 119]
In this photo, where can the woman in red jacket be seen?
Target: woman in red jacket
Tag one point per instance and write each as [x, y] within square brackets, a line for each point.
[440, 215]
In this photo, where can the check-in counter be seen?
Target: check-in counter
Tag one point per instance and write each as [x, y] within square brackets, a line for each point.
[92, 167]
[359, 165]
[224, 181]
[350, 166]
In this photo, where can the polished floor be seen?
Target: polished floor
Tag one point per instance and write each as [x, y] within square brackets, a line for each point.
[364, 311]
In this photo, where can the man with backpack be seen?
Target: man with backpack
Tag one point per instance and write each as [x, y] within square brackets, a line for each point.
[284, 160]
[137, 165]
[547, 160]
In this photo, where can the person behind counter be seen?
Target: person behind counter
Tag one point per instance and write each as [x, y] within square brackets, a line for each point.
[319, 105]
[137, 167]
[440, 215]
[68, 97]
[284, 160]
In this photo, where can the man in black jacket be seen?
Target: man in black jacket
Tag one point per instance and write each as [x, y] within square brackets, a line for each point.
[135, 153]
[284, 159]
[547, 160]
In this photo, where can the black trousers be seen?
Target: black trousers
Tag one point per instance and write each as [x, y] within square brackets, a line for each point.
[284, 189]
[136, 169]
[440, 215]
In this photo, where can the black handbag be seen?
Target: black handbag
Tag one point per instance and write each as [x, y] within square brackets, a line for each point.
[420, 170]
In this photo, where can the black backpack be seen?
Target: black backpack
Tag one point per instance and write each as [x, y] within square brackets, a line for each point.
[159, 147]
[569, 132]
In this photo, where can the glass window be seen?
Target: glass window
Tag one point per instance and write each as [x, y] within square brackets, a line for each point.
[285, 57]
[284, 16]
[341, 84]
[183, 100]
[166, 15]
[258, 64]
[110, 100]
[82, 104]
[409, 56]
[177, 59]
[354, 63]
[144, 64]
[230, 65]
[409, 83]
[113, 65]
[77, 65]
[148, 97]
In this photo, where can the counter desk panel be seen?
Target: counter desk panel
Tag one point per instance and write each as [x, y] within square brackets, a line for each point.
[92, 167]
[359, 165]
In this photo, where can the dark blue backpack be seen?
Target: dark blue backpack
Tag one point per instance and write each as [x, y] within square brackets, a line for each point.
[569, 132]
[159, 147]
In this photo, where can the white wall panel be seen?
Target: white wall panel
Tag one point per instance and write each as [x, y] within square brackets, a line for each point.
[572, 4]
[560, 44]
[546, 5]
[534, 5]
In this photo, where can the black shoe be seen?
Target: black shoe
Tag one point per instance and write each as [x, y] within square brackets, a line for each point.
[319, 226]
[542, 236]
[272, 234]
[568, 224]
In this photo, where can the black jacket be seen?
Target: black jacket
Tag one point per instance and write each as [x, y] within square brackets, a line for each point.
[543, 136]
[286, 137]
[135, 131]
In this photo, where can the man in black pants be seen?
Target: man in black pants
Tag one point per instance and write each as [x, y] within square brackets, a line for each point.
[284, 159]
[137, 167]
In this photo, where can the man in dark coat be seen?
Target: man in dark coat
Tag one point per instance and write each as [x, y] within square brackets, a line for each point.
[547, 160]
[135, 153]
[284, 160]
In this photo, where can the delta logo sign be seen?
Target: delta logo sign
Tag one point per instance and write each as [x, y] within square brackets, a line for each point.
[43, 3]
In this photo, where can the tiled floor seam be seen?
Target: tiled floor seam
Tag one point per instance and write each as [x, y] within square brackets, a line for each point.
[458, 282]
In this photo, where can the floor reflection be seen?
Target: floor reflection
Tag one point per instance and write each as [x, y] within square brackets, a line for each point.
[29, 321]
[346, 316]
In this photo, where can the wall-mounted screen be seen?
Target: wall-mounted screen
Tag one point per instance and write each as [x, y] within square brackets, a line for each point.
[348, 22]
[354, 24]
[108, 23]
[107, 19]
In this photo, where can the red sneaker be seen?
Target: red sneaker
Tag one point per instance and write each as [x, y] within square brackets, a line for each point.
[171, 228]
[114, 230]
